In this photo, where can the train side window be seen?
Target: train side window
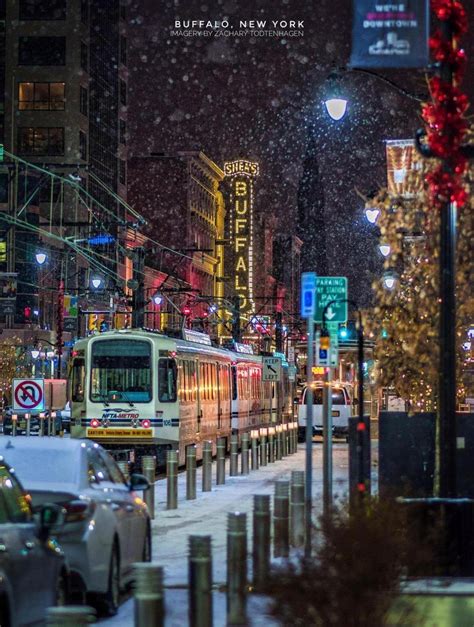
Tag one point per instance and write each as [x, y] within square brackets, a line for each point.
[78, 379]
[167, 380]
[234, 383]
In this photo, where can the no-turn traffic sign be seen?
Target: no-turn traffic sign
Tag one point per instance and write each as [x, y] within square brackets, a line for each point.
[28, 395]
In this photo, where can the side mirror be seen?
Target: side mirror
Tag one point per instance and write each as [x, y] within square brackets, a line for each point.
[138, 482]
[50, 515]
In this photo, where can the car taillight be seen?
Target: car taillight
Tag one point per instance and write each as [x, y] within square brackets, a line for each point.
[146, 424]
[95, 423]
[78, 510]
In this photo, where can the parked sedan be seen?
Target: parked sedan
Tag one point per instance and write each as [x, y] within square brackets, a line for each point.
[107, 526]
[33, 573]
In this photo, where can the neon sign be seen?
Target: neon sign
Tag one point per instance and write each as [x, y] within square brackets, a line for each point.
[241, 228]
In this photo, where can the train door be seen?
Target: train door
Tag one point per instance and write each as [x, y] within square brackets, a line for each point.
[199, 392]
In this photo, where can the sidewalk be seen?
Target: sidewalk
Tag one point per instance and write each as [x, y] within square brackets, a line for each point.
[207, 515]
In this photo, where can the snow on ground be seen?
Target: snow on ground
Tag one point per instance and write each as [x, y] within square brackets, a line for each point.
[207, 515]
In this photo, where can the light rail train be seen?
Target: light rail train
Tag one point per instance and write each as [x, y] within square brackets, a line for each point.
[145, 393]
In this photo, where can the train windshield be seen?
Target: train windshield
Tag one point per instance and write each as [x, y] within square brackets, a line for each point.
[121, 371]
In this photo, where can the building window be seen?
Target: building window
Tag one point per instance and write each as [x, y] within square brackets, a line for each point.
[41, 141]
[123, 50]
[83, 100]
[84, 57]
[123, 93]
[83, 145]
[42, 51]
[85, 11]
[41, 97]
[122, 172]
[122, 131]
[41, 10]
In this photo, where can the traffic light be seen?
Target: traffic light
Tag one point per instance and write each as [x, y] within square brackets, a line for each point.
[103, 325]
[27, 311]
[325, 341]
[92, 322]
[343, 332]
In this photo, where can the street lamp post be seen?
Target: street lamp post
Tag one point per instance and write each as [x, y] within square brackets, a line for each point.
[363, 482]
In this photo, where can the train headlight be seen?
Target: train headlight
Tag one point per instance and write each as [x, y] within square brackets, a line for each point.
[95, 423]
[146, 424]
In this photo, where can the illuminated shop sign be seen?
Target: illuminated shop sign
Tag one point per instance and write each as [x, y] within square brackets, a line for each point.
[241, 228]
[241, 166]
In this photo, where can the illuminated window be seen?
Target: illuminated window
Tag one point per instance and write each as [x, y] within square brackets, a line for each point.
[41, 97]
[41, 141]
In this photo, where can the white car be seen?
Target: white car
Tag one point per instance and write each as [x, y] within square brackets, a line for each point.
[341, 410]
[107, 525]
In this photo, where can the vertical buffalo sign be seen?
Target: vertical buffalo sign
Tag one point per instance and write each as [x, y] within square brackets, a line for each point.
[241, 174]
[390, 34]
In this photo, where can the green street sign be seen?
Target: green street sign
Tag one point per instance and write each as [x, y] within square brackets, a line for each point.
[329, 288]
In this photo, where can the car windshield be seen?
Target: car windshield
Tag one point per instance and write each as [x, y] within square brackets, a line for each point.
[44, 465]
[121, 371]
[338, 397]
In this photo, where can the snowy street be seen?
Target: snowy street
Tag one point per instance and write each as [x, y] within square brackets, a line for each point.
[207, 515]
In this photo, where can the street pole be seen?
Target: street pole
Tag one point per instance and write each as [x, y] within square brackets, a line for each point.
[327, 443]
[447, 324]
[60, 322]
[308, 309]
[361, 478]
[309, 438]
[138, 312]
[236, 331]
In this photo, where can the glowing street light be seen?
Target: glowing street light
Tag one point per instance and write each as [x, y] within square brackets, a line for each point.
[384, 249]
[96, 282]
[389, 280]
[157, 298]
[336, 108]
[372, 215]
[41, 257]
[35, 353]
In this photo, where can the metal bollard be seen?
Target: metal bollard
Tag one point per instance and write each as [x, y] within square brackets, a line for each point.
[14, 419]
[41, 421]
[124, 467]
[70, 615]
[206, 466]
[234, 455]
[53, 423]
[278, 442]
[49, 425]
[28, 424]
[285, 450]
[148, 594]
[200, 581]
[148, 469]
[245, 454]
[220, 462]
[261, 540]
[281, 506]
[263, 451]
[254, 456]
[297, 508]
[171, 480]
[237, 569]
[271, 445]
[190, 473]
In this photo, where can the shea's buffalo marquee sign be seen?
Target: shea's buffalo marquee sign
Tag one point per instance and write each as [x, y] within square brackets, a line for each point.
[241, 174]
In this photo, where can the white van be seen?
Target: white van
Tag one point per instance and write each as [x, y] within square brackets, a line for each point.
[341, 410]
